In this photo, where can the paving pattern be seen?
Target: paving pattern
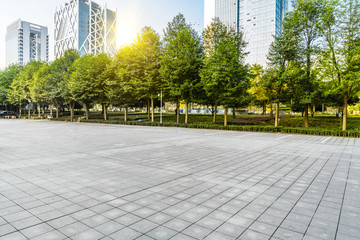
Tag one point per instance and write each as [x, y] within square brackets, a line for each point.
[87, 181]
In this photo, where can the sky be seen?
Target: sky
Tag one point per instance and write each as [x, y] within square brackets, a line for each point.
[132, 16]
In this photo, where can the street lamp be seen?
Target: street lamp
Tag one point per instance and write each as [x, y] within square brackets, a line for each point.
[161, 98]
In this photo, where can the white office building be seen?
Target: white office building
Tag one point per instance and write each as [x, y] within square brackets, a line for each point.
[25, 42]
[86, 26]
[260, 20]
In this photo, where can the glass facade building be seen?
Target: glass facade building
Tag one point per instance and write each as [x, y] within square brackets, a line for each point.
[25, 42]
[260, 20]
[86, 26]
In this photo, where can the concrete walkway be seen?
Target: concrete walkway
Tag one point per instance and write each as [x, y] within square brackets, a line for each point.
[86, 181]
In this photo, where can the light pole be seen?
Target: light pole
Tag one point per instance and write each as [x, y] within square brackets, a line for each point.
[161, 108]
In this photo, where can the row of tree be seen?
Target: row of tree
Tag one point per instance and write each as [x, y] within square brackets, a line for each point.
[316, 59]
[138, 72]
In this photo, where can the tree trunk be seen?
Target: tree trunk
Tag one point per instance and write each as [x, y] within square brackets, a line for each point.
[264, 108]
[277, 114]
[72, 107]
[306, 111]
[187, 112]
[148, 109]
[34, 108]
[345, 112]
[225, 116]
[152, 110]
[271, 110]
[234, 113]
[20, 110]
[29, 111]
[178, 111]
[126, 114]
[43, 109]
[57, 110]
[87, 111]
[39, 114]
[215, 110]
[104, 110]
[313, 111]
[323, 108]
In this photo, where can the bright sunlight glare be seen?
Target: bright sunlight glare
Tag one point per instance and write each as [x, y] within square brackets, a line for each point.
[128, 25]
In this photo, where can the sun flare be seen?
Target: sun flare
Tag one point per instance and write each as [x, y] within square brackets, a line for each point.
[126, 29]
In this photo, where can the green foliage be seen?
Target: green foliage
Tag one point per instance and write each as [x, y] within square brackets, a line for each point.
[224, 76]
[123, 75]
[61, 70]
[181, 59]
[87, 81]
[148, 81]
[6, 78]
[341, 54]
[40, 86]
[20, 87]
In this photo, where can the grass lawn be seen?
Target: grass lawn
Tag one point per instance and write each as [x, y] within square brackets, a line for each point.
[329, 122]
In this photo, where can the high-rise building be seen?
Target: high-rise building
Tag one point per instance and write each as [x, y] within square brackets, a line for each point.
[86, 26]
[260, 20]
[25, 42]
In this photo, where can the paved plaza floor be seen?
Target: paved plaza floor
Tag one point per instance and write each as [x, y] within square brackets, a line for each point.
[87, 181]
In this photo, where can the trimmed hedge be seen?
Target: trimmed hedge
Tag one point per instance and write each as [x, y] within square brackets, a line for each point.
[247, 128]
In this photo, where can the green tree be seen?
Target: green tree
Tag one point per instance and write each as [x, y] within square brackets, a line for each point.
[341, 54]
[40, 86]
[282, 66]
[224, 75]
[20, 87]
[7, 76]
[122, 78]
[61, 70]
[149, 83]
[303, 24]
[181, 61]
[257, 88]
[87, 81]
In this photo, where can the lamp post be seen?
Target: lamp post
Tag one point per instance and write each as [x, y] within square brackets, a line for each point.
[161, 108]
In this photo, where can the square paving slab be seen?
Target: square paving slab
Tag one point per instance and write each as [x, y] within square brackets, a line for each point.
[87, 181]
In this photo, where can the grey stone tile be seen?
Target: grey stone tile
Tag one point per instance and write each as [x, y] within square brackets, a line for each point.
[211, 182]
[231, 229]
[83, 214]
[348, 230]
[89, 234]
[209, 222]
[61, 222]
[109, 227]
[285, 234]
[128, 219]
[125, 234]
[36, 230]
[181, 236]
[252, 235]
[177, 224]
[197, 231]
[321, 233]
[114, 213]
[264, 228]
[144, 226]
[53, 235]
[161, 233]
[218, 235]
[345, 237]
[25, 223]
[13, 236]
[73, 229]
[240, 220]
[159, 218]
